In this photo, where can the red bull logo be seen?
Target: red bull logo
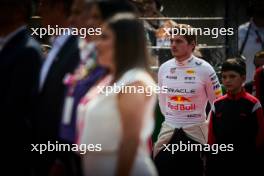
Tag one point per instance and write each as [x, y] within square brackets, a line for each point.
[182, 107]
[180, 99]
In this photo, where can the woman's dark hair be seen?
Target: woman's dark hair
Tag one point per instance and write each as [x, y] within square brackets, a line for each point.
[234, 64]
[130, 43]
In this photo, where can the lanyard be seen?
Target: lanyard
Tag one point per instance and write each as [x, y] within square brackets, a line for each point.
[260, 39]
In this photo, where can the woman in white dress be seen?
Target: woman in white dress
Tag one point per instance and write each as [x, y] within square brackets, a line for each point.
[121, 121]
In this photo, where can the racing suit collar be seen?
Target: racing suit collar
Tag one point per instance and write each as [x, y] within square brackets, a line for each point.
[236, 96]
[185, 62]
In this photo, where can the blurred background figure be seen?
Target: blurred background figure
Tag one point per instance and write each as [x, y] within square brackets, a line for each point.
[62, 59]
[88, 74]
[121, 122]
[152, 9]
[251, 36]
[87, 15]
[20, 60]
[258, 61]
[259, 77]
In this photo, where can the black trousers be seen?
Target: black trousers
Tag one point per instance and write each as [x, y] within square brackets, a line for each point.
[186, 163]
[248, 163]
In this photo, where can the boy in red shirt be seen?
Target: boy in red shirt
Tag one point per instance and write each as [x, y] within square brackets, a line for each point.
[236, 118]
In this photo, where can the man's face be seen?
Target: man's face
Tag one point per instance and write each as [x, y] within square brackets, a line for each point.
[180, 47]
[76, 13]
[232, 81]
[52, 14]
[92, 18]
[85, 15]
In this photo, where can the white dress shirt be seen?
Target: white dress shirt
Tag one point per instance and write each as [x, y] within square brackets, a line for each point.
[253, 45]
[57, 44]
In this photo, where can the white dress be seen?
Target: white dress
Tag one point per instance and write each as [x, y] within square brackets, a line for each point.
[102, 126]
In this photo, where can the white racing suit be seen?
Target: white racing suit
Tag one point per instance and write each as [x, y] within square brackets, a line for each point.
[190, 85]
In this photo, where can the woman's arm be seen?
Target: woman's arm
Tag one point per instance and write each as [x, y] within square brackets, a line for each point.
[131, 107]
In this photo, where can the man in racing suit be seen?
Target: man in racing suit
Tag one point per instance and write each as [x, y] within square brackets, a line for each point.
[190, 83]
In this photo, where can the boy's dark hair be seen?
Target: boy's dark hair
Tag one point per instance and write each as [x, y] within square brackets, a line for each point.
[234, 64]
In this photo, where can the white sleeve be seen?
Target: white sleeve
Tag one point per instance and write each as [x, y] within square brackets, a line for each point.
[241, 36]
[213, 87]
[161, 95]
[242, 31]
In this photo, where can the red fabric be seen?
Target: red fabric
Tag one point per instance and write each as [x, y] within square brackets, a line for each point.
[257, 81]
[211, 137]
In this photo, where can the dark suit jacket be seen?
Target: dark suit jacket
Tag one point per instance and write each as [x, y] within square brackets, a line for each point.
[20, 61]
[52, 94]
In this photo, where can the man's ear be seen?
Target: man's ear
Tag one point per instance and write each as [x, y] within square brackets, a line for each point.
[193, 45]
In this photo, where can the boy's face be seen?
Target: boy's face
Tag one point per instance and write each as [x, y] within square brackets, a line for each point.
[233, 81]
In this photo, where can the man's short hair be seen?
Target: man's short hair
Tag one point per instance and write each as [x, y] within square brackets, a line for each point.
[191, 34]
[234, 64]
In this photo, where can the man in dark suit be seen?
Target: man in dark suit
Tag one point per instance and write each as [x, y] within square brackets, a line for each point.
[20, 60]
[61, 60]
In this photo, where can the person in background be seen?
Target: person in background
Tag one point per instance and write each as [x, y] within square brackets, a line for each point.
[84, 15]
[259, 77]
[236, 121]
[122, 122]
[62, 59]
[250, 87]
[251, 36]
[88, 74]
[92, 15]
[20, 61]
